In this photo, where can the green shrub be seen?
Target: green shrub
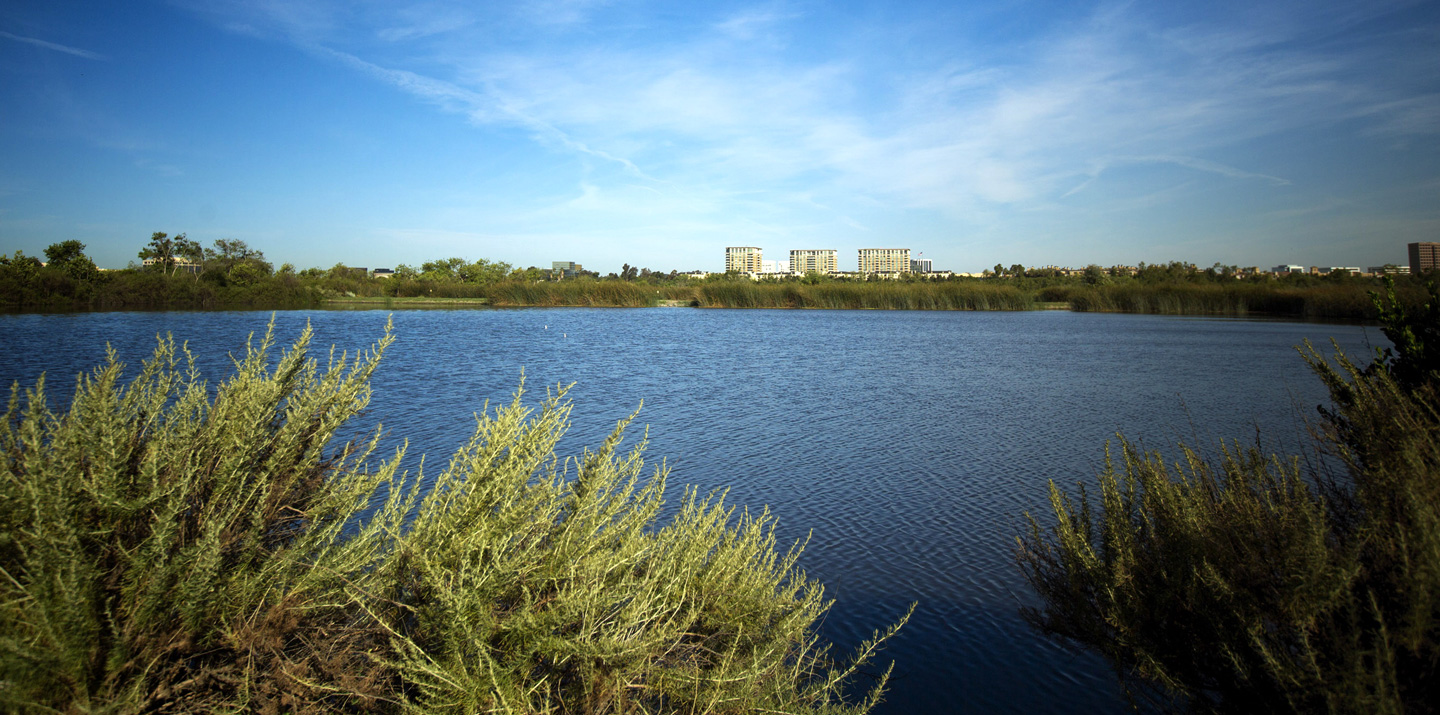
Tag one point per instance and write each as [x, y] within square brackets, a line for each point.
[172, 546]
[1251, 584]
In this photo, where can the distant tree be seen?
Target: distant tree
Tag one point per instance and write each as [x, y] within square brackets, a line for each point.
[69, 257]
[161, 250]
[1017, 271]
[482, 271]
[20, 266]
[340, 270]
[528, 274]
[999, 270]
[227, 252]
[1094, 275]
[442, 271]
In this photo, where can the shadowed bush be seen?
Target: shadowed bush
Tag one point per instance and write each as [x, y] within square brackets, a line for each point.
[1249, 584]
[169, 546]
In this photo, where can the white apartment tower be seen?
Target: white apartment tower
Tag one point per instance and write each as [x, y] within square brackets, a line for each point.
[884, 260]
[819, 260]
[742, 259]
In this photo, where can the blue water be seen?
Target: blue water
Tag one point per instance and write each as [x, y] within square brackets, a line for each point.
[906, 445]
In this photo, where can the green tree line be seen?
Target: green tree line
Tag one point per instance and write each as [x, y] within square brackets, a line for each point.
[177, 272]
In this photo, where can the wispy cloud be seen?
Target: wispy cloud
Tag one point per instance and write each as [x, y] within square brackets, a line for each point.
[850, 119]
[76, 51]
[163, 169]
[1188, 162]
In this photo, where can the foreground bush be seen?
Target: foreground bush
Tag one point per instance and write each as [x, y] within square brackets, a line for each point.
[1251, 584]
[170, 546]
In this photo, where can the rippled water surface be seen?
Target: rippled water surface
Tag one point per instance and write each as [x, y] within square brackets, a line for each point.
[905, 444]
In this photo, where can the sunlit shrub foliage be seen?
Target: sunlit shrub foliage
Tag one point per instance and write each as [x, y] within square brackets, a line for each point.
[174, 546]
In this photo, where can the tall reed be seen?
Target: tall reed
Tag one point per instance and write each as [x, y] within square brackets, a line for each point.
[887, 295]
[1345, 301]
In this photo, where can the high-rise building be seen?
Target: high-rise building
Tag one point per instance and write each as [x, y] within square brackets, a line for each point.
[884, 260]
[922, 265]
[818, 260]
[1424, 256]
[742, 259]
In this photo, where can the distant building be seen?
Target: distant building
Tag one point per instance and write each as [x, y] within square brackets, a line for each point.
[813, 260]
[1287, 269]
[884, 260]
[1424, 256]
[177, 264]
[1389, 269]
[742, 259]
[1352, 270]
[774, 267]
[383, 273]
[922, 265]
[566, 269]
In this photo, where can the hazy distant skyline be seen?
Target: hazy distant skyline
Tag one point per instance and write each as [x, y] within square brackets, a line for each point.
[380, 133]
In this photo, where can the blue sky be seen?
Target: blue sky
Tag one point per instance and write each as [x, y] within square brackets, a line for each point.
[656, 134]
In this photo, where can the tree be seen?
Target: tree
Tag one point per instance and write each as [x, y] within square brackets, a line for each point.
[237, 261]
[1094, 275]
[69, 256]
[161, 251]
[1251, 584]
[483, 271]
[443, 270]
[1017, 271]
[227, 252]
[999, 270]
[20, 266]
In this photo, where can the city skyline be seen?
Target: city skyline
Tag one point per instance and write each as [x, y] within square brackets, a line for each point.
[627, 132]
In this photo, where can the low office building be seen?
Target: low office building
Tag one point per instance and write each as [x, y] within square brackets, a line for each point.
[1424, 256]
[922, 265]
[884, 260]
[816, 260]
[1389, 269]
[742, 259]
[566, 269]
[176, 265]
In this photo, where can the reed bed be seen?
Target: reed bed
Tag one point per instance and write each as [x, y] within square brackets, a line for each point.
[1346, 301]
[616, 294]
[875, 295]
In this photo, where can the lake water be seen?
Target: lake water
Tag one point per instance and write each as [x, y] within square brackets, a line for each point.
[906, 444]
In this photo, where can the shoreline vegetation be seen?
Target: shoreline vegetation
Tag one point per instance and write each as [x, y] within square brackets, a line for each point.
[233, 276]
[176, 545]
[1259, 582]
